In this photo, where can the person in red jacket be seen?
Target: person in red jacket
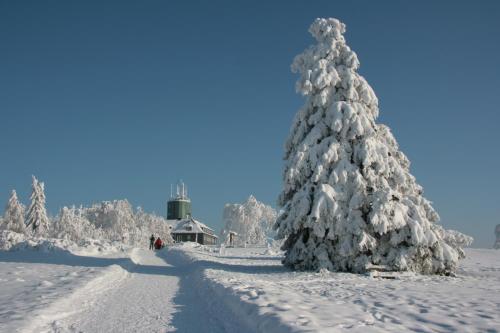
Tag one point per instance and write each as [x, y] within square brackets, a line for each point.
[158, 243]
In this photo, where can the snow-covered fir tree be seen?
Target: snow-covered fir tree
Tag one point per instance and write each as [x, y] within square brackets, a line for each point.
[252, 221]
[349, 201]
[37, 220]
[14, 215]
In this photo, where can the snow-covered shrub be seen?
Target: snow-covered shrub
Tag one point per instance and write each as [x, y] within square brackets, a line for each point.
[152, 224]
[9, 238]
[13, 241]
[497, 234]
[349, 200]
[252, 221]
[37, 221]
[115, 219]
[14, 215]
[71, 224]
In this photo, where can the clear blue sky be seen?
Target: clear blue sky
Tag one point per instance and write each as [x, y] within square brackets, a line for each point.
[118, 99]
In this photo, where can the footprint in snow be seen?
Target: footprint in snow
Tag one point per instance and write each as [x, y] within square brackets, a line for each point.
[45, 284]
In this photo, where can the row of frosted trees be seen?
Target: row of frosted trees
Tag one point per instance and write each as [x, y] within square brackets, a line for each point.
[35, 221]
[109, 220]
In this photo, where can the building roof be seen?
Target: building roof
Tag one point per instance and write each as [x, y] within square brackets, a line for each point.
[190, 225]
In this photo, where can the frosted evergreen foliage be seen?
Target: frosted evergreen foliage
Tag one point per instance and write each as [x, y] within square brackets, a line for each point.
[14, 215]
[349, 200]
[252, 221]
[37, 221]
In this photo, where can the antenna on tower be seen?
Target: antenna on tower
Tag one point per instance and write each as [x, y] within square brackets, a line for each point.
[171, 191]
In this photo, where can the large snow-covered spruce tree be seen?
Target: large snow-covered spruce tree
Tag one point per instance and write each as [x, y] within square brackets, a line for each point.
[37, 220]
[349, 201]
[14, 215]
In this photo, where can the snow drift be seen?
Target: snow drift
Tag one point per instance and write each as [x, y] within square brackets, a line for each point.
[349, 200]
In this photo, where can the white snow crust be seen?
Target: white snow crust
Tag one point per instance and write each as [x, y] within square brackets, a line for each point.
[267, 297]
[195, 288]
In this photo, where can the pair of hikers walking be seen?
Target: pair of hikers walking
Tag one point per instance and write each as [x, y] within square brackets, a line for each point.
[155, 244]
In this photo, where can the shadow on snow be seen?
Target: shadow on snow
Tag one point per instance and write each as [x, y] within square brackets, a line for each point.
[197, 309]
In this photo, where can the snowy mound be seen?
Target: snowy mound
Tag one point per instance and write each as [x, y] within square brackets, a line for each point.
[349, 200]
[13, 241]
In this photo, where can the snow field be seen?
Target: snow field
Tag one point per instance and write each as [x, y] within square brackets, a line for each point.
[38, 288]
[193, 288]
[50, 318]
[265, 297]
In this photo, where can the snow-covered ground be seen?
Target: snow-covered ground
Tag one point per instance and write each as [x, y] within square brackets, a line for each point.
[192, 288]
[268, 298]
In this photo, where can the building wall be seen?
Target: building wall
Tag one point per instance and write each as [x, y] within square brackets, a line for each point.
[184, 237]
[178, 209]
[208, 239]
[203, 239]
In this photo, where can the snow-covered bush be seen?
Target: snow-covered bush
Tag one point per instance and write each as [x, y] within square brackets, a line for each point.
[37, 221]
[14, 215]
[115, 219]
[497, 234]
[71, 224]
[10, 238]
[13, 241]
[152, 224]
[349, 200]
[252, 221]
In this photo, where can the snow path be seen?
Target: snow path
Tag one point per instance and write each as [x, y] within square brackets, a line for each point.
[146, 295]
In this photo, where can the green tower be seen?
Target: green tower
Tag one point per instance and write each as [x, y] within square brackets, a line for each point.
[179, 207]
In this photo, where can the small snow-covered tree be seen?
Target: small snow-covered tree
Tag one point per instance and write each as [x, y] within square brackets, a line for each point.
[72, 225]
[115, 218]
[14, 215]
[252, 221]
[349, 200]
[37, 220]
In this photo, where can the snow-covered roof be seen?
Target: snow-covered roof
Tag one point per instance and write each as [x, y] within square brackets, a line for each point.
[190, 225]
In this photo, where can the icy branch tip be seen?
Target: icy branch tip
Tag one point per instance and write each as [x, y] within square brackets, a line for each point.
[330, 28]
